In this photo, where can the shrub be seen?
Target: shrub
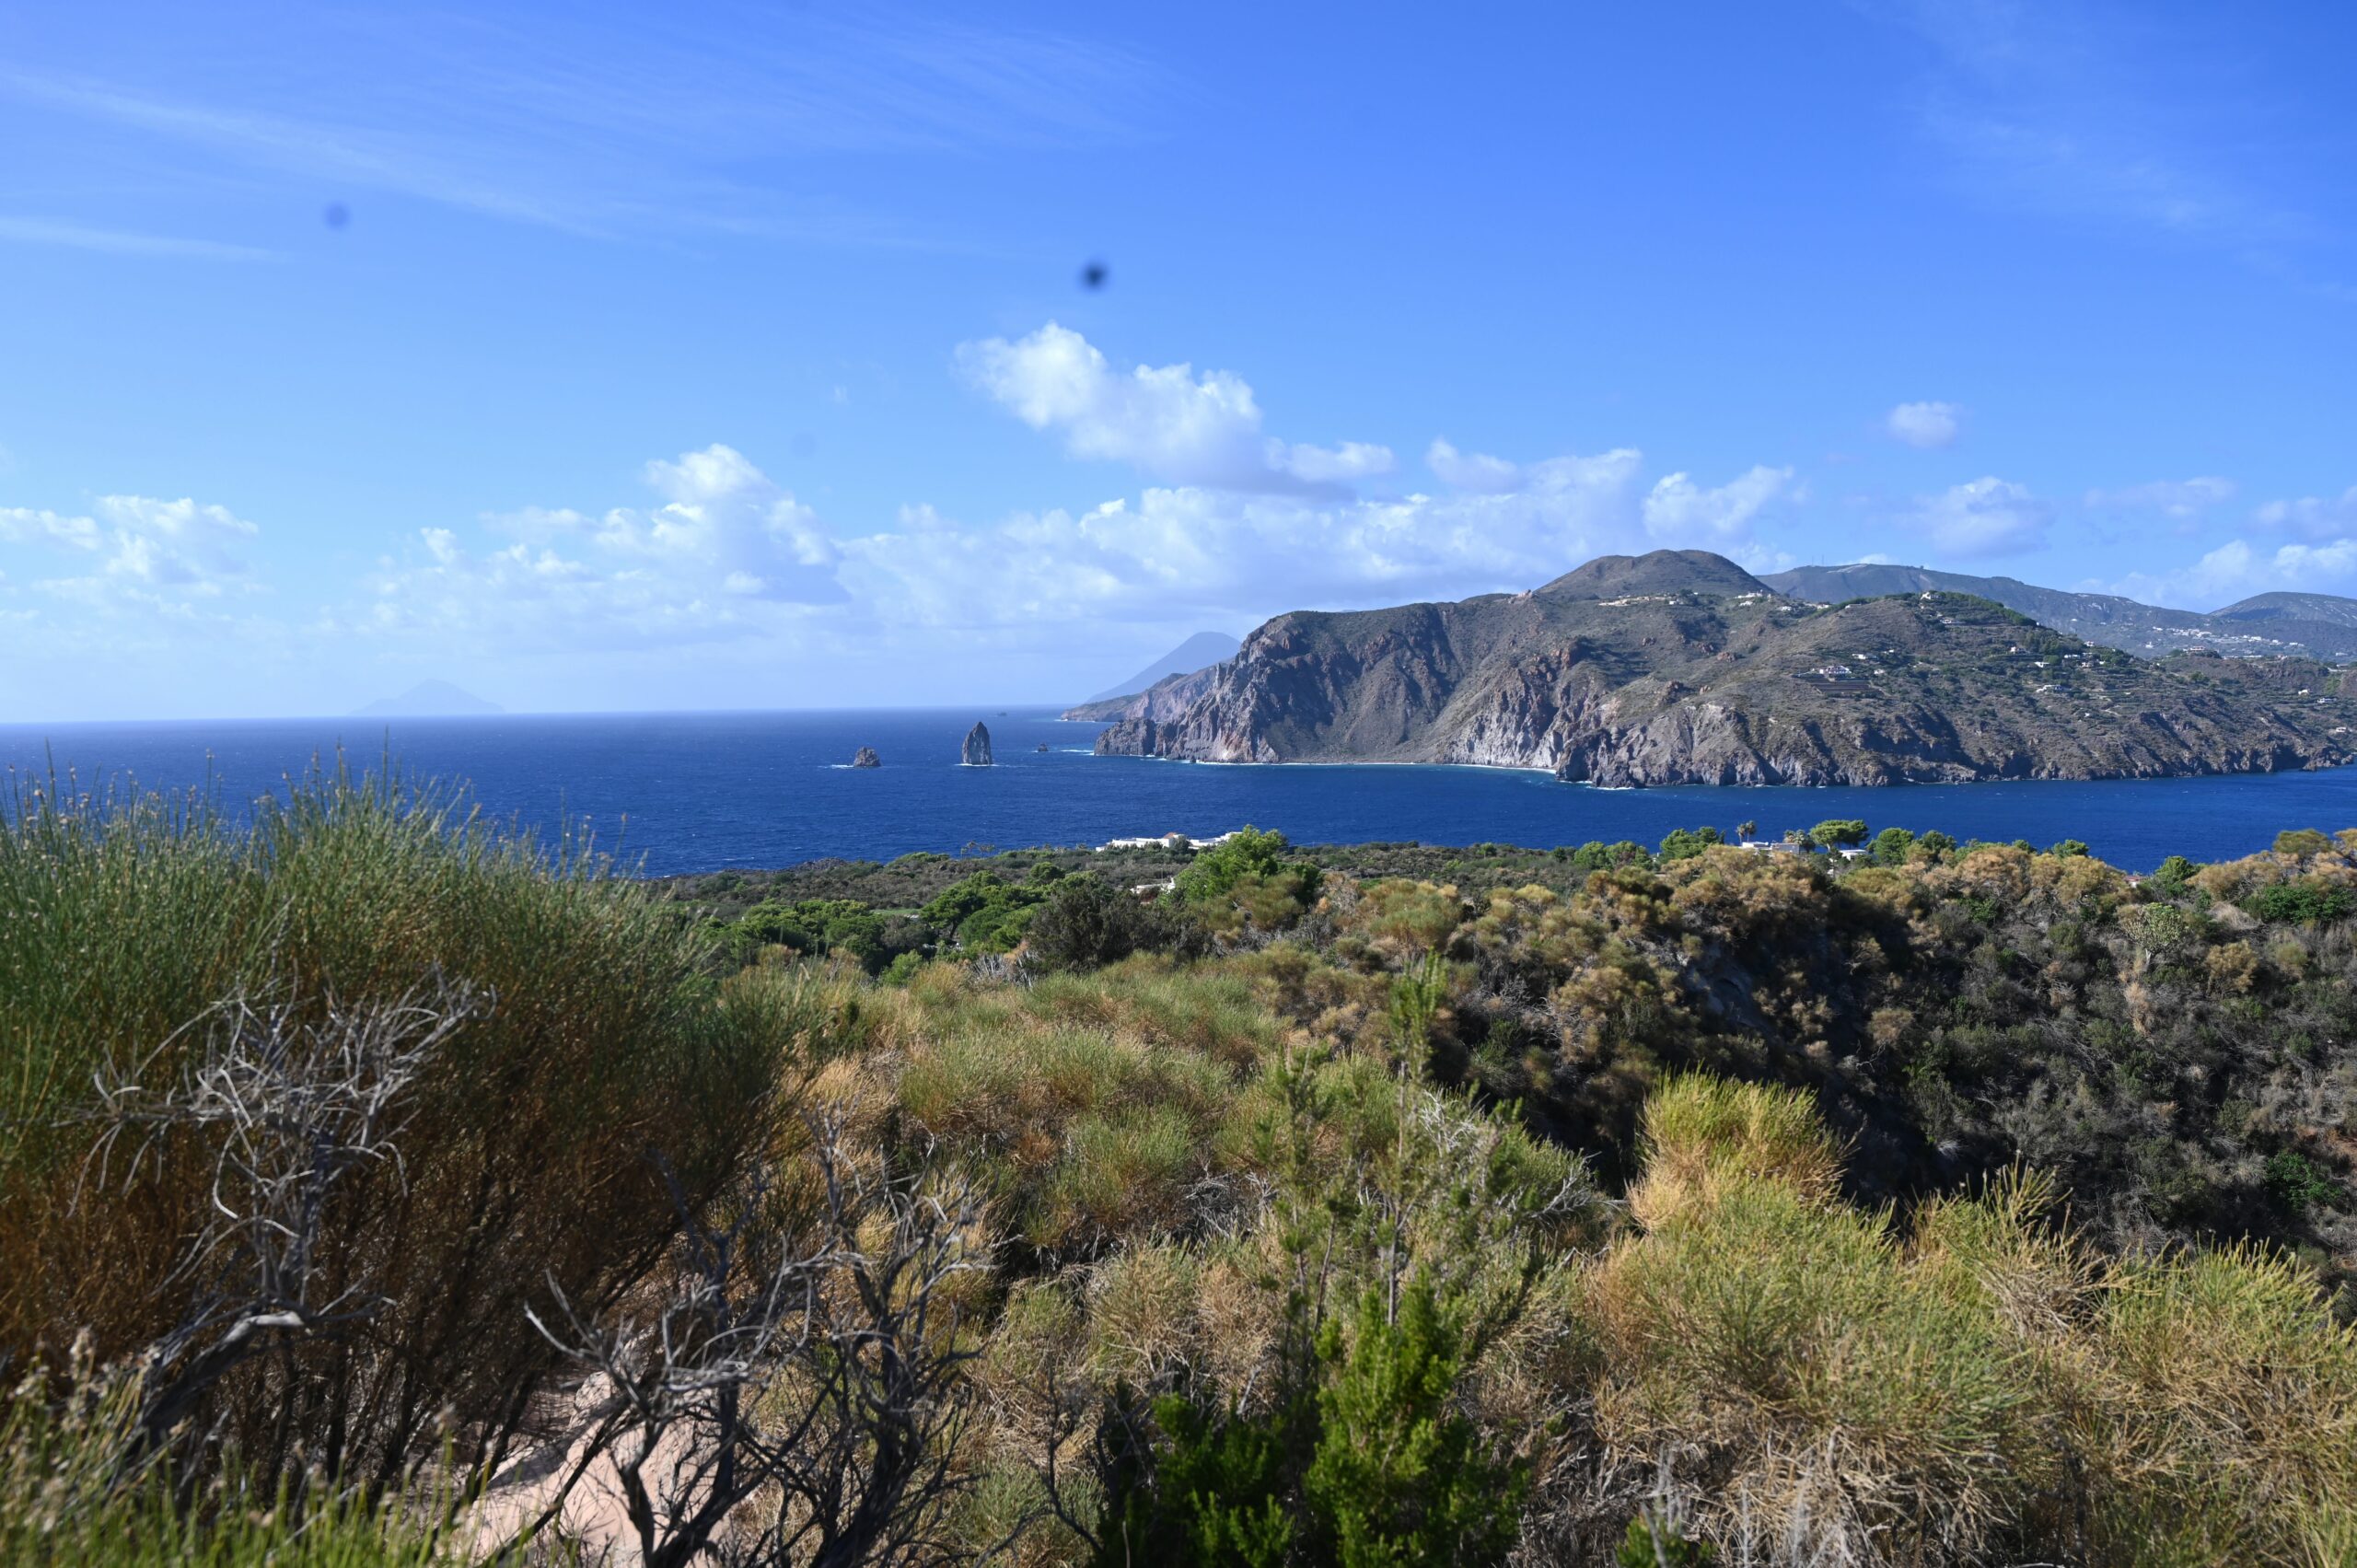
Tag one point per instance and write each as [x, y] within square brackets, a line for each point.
[984, 912]
[1214, 874]
[1686, 842]
[2306, 902]
[1397, 1478]
[603, 1041]
[1087, 924]
[820, 927]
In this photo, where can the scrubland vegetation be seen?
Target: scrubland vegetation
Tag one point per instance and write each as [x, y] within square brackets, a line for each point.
[376, 1188]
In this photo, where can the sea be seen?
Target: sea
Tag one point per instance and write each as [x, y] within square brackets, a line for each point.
[673, 794]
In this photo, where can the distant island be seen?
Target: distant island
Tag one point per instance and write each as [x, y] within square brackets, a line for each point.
[429, 699]
[1679, 666]
[1198, 652]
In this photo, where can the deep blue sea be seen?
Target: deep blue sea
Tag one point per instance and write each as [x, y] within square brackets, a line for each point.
[697, 792]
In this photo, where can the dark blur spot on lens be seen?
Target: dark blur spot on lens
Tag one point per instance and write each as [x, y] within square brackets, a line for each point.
[1094, 275]
[805, 443]
[337, 215]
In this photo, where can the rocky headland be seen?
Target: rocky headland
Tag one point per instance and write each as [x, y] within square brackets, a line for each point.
[1681, 667]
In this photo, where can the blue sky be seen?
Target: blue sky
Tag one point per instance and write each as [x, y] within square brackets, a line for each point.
[602, 357]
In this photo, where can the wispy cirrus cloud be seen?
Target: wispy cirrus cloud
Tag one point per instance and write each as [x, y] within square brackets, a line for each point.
[620, 125]
[2121, 116]
[124, 242]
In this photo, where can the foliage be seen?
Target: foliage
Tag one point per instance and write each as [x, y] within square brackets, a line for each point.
[819, 926]
[1400, 1479]
[1838, 832]
[1216, 873]
[140, 930]
[985, 913]
[1684, 843]
[1086, 924]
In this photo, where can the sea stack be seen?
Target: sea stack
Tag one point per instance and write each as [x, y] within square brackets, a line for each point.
[866, 757]
[977, 753]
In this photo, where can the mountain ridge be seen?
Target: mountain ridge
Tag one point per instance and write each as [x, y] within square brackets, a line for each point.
[1198, 652]
[2317, 625]
[1668, 668]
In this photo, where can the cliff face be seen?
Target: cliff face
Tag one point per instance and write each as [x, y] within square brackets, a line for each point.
[1681, 669]
[1164, 699]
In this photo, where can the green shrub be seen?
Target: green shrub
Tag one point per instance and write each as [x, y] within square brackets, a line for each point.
[1215, 873]
[1398, 1478]
[1684, 843]
[819, 926]
[529, 1140]
[2305, 901]
[1359, 1463]
[1086, 924]
[984, 912]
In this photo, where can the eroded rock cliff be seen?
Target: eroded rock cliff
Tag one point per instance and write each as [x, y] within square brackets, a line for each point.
[1679, 668]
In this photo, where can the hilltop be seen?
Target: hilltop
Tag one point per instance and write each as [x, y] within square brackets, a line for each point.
[1681, 667]
[2311, 625]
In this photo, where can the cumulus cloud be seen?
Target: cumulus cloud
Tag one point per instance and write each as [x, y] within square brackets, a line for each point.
[1166, 420]
[725, 540]
[2180, 500]
[2237, 569]
[1184, 552]
[1987, 517]
[1925, 424]
[136, 546]
[1471, 470]
[2312, 517]
[1679, 509]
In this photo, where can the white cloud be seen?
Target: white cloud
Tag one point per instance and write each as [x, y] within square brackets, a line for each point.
[1679, 509]
[1471, 470]
[124, 242]
[1166, 420]
[22, 525]
[2236, 570]
[1925, 424]
[141, 545]
[1987, 517]
[2312, 517]
[2179, 499]
[1188, 552]
[728, 553]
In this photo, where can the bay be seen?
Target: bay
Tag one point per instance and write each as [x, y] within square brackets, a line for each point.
[680, 793]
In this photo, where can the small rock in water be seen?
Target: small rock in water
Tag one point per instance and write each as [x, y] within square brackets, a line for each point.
[1043, 746]
[866, 757]
[976, 752]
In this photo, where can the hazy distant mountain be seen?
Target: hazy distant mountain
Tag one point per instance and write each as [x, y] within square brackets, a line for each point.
[2328, 608]
[428, 699]
[1681, 667]
[1202, 649]
[2313, 625]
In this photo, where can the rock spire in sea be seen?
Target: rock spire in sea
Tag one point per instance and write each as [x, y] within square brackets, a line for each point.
[977, 753]
[866, 757]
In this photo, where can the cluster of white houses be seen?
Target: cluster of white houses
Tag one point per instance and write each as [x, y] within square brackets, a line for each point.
[1180, 841]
